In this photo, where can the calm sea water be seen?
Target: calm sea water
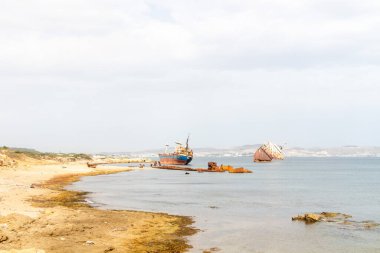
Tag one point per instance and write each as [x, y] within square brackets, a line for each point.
[252, 212]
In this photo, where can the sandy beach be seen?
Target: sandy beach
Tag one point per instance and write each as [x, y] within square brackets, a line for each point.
[38, 215]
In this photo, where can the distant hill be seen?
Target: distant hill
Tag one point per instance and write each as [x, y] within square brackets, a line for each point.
[248, 150]
[31, 155]
[24, 150]
[346, 151]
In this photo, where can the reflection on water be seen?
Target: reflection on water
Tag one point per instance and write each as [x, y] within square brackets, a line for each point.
[252, 212]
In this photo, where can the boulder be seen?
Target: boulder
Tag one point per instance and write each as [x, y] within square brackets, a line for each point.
[312, 217]
[331, 215]
[308, 217]
[324, 216]
[3, 237]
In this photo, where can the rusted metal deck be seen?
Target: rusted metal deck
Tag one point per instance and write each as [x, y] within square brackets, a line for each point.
[212, 167]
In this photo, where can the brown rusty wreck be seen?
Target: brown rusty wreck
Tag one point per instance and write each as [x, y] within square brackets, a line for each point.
[268, 152]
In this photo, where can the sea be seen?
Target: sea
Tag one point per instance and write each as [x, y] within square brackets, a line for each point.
[252, 212]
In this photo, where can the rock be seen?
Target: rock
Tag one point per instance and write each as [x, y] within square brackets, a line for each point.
[308, 217]
[90, 242]
[312, 217]
[109, 249]
[299, 217]
[329, 214]
[3, 238]
[335, 215]
[370, 224]
[324, 216]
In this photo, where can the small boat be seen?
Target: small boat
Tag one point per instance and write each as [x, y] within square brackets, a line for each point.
[268, 152]
[181, 155]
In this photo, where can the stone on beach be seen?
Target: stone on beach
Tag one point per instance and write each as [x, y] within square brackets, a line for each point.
[3, 237]
[324, 216]
[335, 215]
[308, 217]
[370, 224]
[338, 218]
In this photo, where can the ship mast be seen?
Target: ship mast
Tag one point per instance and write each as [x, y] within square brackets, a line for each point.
[187, 142]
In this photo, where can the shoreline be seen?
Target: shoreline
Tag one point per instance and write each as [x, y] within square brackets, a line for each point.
[45, 217]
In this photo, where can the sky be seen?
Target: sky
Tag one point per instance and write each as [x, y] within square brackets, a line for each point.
[121, 75]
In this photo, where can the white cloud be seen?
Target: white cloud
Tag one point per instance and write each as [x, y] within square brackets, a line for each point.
[80, 68]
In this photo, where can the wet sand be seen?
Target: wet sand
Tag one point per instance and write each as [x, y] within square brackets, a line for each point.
[38, 215]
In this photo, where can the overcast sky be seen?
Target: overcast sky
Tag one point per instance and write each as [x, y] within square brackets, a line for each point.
[120, 75]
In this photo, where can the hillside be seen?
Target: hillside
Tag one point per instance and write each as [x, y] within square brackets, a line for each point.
[18, 156]
[248, 150]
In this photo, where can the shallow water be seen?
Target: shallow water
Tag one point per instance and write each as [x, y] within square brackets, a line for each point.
[252, 212]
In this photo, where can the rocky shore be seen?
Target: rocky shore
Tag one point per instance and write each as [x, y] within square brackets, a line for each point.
[38, 215]
[336, 218]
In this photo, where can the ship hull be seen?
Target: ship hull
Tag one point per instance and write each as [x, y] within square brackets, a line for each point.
[261, 156]
[268, 152]
[174, 159]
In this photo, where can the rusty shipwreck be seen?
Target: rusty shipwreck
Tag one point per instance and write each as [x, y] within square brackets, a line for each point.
[268, 152]
[182, 155]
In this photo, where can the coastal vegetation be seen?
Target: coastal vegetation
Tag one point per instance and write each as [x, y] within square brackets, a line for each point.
[14, 156]
[17, 153]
